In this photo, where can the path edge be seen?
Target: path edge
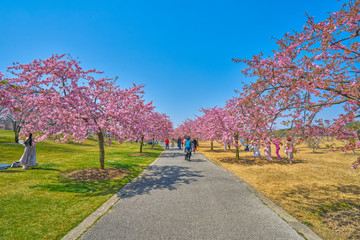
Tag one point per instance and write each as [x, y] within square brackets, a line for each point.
[300, 228]
[89, 221]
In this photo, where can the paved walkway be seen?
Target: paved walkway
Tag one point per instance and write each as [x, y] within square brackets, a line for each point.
[177, 199]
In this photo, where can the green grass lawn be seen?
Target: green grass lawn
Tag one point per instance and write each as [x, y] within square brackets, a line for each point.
[41, 203]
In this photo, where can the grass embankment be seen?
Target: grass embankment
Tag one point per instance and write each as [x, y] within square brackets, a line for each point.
[41, 203]
[320, 189]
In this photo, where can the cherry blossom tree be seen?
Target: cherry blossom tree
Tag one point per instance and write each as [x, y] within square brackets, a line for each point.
[212, 125]
[313, 69]
[59, 98]
[147, 124]
[187, 128]
[160, 128]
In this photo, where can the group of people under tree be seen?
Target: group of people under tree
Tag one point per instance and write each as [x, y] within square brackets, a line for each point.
[255, 147]
[289, 148]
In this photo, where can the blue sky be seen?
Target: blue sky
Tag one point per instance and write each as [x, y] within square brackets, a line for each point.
[180, 50]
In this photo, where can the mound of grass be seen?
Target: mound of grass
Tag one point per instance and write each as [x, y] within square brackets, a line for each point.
[42, 203]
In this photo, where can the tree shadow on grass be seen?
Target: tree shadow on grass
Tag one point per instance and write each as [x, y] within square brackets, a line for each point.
[355, 189]
[159, 177]
[216, 150]
[9, 171]
[80, 144]
[126, 166]
[317, 153]
[250, 161]
[337, 206]
[163, 178]
[85, 188]
[46, 169]
[89, 188]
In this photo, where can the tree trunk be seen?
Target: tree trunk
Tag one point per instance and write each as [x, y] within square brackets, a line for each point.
[236, 137]
[16, 137]
[237, 153]
[101, 149]
[16, 131]
[141, 143]
[212, 146]
[153, 143]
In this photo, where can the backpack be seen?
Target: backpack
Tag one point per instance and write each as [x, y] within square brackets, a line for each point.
[187, 144]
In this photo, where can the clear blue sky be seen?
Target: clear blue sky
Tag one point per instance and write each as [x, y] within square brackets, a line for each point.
[181, 50]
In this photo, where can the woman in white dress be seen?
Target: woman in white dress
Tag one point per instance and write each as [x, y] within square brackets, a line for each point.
[28, 159]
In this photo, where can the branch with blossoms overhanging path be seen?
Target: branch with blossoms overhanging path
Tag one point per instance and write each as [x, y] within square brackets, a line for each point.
[317, 62]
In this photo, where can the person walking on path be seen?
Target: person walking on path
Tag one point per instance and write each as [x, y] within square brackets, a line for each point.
[289, 149]
[194, 145]
[179, 143]
[182, 142]
[28, 159]
[187, 148]
[267, 151]
[167, 143]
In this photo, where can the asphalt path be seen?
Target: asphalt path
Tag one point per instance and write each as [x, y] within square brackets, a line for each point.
[178, 199]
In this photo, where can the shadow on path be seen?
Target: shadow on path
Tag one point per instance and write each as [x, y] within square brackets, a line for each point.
[176, 153]
[163, 178]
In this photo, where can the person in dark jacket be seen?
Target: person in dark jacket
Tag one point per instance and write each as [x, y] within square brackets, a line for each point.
[194, 145]
[179, 143]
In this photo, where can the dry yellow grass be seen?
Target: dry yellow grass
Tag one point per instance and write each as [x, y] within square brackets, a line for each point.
[320, 189]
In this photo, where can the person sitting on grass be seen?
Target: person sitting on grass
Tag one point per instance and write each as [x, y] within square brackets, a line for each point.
[28, 159]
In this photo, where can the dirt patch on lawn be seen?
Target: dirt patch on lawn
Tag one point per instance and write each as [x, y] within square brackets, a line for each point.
[96, 174]
[140, 154]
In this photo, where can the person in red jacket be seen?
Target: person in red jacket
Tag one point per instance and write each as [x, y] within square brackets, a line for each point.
[167, 143]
